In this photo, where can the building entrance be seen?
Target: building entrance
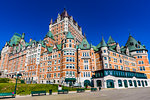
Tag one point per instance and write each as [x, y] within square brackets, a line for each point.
[110, 84]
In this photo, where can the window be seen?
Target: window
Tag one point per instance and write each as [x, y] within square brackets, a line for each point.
[86, 67]
[54, 75]
[116, 66]
[105, 58]
[104, 51]
[85, 61]
[67, 73]
[110, 66]
[55, 68]
[70, 45]
[143, 68]
[67, 59]
[58, 67]
[106, 65]
[120, 61]
[121, 67]
[58, 74]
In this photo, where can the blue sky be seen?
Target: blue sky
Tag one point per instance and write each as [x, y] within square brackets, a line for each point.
[117, 18]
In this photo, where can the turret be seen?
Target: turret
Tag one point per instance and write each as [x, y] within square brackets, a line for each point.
[104, 54]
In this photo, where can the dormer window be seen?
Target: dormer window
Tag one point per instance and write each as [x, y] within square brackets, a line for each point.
[137, 46]
[131, 43]
[85, 45]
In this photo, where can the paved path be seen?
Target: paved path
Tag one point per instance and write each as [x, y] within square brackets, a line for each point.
[107, 94]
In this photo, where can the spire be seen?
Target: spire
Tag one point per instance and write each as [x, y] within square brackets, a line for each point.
[23, 34]
[69, 36]
[65, 13]
[84, 35]
[51, 22]
[103, 43]
[110, 40]
[129, 34]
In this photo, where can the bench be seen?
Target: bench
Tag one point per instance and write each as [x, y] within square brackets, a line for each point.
[93, 89]
[63, 91]
[80, 90]
[7, 94]
[38, 93]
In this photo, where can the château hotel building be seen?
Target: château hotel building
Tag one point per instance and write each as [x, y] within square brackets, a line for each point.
[65, 56]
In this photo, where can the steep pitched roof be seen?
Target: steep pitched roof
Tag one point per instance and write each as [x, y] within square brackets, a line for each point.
[64, 14]
[15, 39]
[69, 36]
[110, 40]
[133, 44]
[84, 44]
[49, 49]
[103, 43]
[59, 46]
[50, 35]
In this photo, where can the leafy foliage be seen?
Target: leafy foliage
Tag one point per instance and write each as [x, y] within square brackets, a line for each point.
[25, 89]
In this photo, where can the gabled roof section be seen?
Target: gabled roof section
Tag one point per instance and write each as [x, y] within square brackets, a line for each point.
[49, 49]
[59, 46]
[84, 44]
[69, 36]
[133, 44]
[110, 40]
[50, 35]
[15, 39]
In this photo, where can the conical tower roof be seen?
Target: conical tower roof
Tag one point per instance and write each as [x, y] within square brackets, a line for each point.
[103, 43]
[50, 35]
[110, 40]
[133, 44]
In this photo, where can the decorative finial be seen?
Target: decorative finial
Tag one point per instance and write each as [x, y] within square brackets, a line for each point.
[84, 35]
[129, 34]
[51, 22]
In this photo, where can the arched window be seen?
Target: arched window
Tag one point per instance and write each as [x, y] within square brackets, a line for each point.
[130, 83]
[139, 83]
[120, 83]
[99, 83]
[104, 51]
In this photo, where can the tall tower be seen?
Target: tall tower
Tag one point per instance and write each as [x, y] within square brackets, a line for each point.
[64, 24]
[139, 51]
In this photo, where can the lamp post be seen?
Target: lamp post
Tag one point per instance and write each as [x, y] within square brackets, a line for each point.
[16, 82]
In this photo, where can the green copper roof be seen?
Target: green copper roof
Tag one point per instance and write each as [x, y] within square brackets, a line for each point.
[132, 44]
[59, 46]
[15, 39]
[27, 44]
[95, 48]
[84, 44]
[49, 49]
[23, 35]
[113, 47]
[103, 43]
[110, 40]
[49, 34]
[69, 36]
[99, 45]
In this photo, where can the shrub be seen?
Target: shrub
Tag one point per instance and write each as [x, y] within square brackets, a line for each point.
[4, 80]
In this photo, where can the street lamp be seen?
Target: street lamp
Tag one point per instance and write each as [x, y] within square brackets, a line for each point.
[16, 82]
